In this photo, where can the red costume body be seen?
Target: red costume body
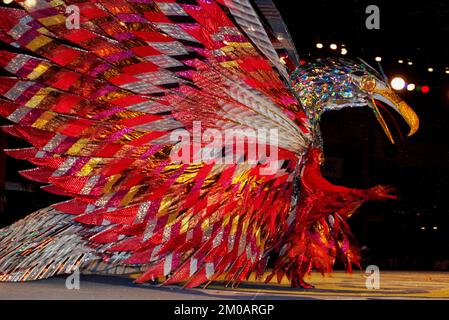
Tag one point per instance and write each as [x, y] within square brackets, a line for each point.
[317, 245]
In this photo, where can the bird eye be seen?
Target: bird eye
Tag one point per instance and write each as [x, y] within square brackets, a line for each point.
[368, 83]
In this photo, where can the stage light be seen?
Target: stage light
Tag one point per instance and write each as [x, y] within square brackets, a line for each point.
[430, 69]
[319, 45]
[423, 228]
[447, 71]
[435, 228]
[344, 51]
[401, 61]
[333, 46]
[378, 59]
[425, 89]
[411, 87]
[410, 63]
[398, 83]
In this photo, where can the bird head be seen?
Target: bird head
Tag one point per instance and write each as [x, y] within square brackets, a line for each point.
[334, 84]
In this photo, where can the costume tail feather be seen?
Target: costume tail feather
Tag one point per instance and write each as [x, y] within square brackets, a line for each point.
[44, 244]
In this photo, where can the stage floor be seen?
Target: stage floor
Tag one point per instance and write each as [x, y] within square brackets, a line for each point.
[339, 285]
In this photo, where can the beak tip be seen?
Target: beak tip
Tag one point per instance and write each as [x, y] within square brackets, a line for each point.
[414, 129]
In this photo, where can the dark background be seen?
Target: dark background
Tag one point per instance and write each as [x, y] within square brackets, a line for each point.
[412, 233]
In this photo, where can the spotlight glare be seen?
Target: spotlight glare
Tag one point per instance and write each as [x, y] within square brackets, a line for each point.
[410, 63]
[447, 71]
[411, 87]
[401, 61]
[430, 69]
[344, 51]
[378, 59]
[319, 45]
[398, 83]
[333, 46]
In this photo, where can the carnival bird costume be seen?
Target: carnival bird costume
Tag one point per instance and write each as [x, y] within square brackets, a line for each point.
[103, 103]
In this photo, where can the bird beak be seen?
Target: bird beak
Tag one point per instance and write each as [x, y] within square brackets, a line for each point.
[390, 98]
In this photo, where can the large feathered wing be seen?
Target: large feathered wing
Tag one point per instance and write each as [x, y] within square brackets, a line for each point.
[100, 104]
